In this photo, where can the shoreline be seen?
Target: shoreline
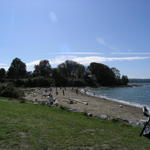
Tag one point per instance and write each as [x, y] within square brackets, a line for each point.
[121, 104]
[96, 105]
[115, 100]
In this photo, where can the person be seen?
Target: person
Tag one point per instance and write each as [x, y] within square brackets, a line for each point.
[50, 89]
[63, 92]
[94, 93]
[51, 100]
[77, 91]
[56, 91]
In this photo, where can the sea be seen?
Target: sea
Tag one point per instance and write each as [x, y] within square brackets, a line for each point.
[138, 96]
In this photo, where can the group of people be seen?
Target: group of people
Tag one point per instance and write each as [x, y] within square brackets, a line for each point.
[51, 99]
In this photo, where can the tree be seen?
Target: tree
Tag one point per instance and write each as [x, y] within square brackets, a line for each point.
[116, 72]
[71, 69]
[104, 75]
[17, 69]
[90, 78]
[58, 79]
[2, 73]
[43, 69]
[125, 80]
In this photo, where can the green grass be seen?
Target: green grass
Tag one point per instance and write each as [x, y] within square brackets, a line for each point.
[35, 127]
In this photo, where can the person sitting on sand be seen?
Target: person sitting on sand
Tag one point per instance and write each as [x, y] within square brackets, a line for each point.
[51, 100]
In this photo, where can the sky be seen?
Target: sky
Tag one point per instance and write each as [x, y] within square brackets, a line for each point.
[112, 32]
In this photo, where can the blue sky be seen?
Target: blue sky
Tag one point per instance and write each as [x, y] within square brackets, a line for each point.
[113, 32]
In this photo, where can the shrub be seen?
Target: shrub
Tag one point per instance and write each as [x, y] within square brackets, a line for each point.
[10, 91]
[33, 82]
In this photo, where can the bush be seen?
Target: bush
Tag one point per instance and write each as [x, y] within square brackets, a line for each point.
[33, 82]
[10, 91]
[79, 83]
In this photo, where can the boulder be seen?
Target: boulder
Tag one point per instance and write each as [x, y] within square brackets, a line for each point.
[55, 104]
[72, 110]
[103, 117]
[136, 123]
[71, 102]
[89, 115]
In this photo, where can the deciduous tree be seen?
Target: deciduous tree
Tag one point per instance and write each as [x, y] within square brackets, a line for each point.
[17, 69]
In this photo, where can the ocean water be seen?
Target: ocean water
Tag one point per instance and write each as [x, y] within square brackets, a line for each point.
[137, 96]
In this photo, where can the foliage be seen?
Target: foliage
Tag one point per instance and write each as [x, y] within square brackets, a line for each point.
[125, 80]
[69, 73]
[116, 72]
[10, 91]
[42, 69]
[71, 69]
[104, 75]
[17, 69]
[58, 78]
[34, 82]
[2, 74]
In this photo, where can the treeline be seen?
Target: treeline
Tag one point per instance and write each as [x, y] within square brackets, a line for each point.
[139, 80]
[69, 73]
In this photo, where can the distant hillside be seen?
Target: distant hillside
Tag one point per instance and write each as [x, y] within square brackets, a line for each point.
[139, 80]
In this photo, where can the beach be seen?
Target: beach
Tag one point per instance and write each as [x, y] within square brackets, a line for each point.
[72, 98]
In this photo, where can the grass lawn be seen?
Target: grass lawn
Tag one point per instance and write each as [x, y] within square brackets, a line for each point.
[35, 127]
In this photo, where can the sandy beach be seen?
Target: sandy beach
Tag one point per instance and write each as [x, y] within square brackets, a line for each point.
[96, 106]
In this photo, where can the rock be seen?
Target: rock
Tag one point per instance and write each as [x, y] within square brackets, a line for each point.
[56, 104]
[35, 103]
[123, 120]
[71, 102]
[121, 106]
[49, 103]
[86, 103]
[136, 123]
[126, 121]
[89, 115]
[72, 110]
[115, 120]
[103, 117]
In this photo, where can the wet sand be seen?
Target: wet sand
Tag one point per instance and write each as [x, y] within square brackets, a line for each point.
[96, 106]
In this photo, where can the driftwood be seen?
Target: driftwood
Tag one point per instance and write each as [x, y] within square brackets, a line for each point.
[77, 100]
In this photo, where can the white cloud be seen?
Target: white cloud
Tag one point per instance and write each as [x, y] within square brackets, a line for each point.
[53, 17]
[60, 59]
[5, 66]
[54, 61]
[131, 53]
[86, 60]
[80, 53]
[33, 63]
